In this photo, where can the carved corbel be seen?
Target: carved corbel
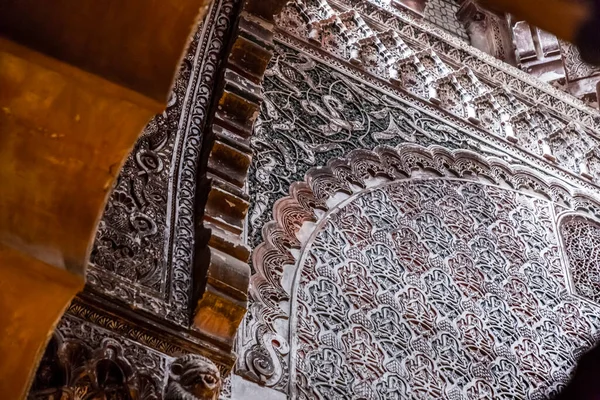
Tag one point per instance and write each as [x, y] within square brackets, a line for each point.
[193, 377]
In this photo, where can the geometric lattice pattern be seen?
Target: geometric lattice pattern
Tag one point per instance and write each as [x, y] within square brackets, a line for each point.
[438, 289]
[581, 239]
[443, 14]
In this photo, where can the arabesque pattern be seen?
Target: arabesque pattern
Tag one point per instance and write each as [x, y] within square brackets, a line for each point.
[397, 48]
[437, 289]
[505, 235]
[581, 239]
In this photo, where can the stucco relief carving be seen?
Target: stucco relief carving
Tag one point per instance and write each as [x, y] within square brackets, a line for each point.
[307, 211]
[436, 284]
[319, 108]
[73, 368]
[421, 71]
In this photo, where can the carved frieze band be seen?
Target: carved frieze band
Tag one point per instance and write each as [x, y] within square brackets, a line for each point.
[264, 339]
[84, 360]
[461, 80]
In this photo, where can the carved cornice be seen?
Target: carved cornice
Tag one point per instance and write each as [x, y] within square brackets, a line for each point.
[456, 51]
[266, 346]
[166, 338]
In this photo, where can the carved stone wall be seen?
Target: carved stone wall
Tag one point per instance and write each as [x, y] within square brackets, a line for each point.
[439, 289]
[342, 80]
[580, 239]
[395, 48]
[300, 128]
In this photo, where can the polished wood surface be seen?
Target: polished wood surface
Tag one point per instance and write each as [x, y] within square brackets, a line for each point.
[134, 43]
[33, 296]
[64, 134]
[78, 83]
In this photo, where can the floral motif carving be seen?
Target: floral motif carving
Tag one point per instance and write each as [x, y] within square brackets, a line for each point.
[570, 147]
[360, 42]
[73, 369]
[447, 332]
[313, 112]
[574, 65]
[453, 256]
[144, 246]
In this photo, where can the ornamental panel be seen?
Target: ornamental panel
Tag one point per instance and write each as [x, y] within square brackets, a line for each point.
[581, 239]
[427, 269]
[144, 246]
[442, 289]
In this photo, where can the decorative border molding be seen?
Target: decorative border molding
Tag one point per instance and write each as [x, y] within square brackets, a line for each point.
[459, 124]
[465, 83]
[265, 350]
[167, 340]
[184, 187]
[173, 301]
